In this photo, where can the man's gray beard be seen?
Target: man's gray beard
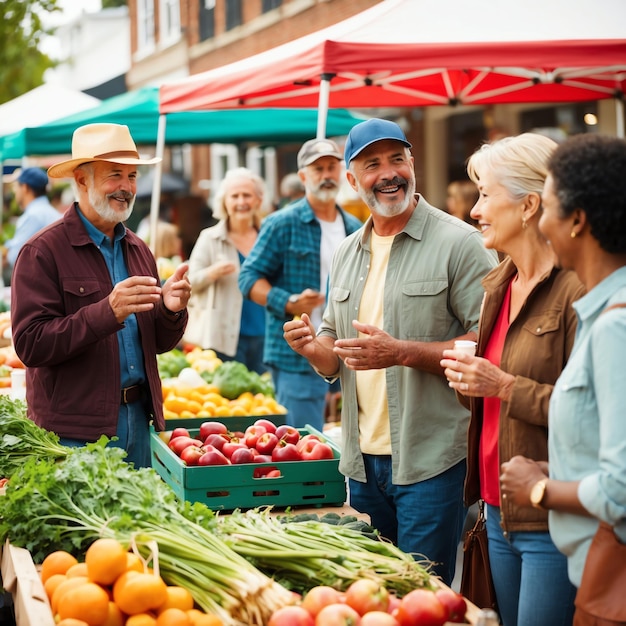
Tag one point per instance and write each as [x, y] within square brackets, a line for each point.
[102, 207]
[388, 210]
[323, 194]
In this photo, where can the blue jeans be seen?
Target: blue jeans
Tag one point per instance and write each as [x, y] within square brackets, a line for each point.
[133, 432]
[530, 577]
[424, 519]
[303, 395]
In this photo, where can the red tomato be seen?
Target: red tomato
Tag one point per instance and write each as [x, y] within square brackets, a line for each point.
[291, 616]
[421, 607]
[319, 597]
[337, 615]
[365, 595]
[454, 602]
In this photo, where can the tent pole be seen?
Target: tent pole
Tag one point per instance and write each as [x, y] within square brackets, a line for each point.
[322, 106]
[619, 117]
[156, 183]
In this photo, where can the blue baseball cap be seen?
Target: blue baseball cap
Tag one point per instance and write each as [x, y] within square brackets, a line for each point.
[34, 177]
[366, 133]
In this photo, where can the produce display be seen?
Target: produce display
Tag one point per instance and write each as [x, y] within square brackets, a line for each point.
[197, 384]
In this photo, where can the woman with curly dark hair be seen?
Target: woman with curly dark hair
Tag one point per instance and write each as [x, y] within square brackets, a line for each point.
[584, 218]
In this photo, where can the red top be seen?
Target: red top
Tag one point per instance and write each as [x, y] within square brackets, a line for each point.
[488, 454]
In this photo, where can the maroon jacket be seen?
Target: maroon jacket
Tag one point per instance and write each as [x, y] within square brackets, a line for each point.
[64, 330]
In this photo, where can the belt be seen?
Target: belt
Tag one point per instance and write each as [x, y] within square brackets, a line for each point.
[132, 394]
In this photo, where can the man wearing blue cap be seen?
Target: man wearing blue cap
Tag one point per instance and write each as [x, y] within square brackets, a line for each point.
[30, 195]
[401, 290]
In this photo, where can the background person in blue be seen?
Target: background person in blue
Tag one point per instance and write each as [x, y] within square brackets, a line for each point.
[287, 271]
[30, 194]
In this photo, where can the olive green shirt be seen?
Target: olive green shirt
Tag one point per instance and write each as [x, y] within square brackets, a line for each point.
[432, 292]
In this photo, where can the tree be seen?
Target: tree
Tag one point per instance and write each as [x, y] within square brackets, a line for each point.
[109, 4]
[22, 65]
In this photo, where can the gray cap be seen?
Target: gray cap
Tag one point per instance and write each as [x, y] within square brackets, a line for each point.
[316, 149]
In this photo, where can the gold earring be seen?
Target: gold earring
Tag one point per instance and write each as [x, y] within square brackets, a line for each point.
[524, 224]
[573, 234]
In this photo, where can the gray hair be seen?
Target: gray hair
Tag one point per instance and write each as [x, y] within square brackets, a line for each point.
[219, 207]
[520, 163]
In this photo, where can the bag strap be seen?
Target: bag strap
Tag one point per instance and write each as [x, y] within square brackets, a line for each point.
[619, 305]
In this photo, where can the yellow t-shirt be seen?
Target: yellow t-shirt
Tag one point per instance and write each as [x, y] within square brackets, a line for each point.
[371, 385]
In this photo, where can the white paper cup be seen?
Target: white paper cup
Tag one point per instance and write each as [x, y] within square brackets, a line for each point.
[469, 347]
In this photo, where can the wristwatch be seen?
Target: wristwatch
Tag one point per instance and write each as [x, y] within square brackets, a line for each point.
[538, 492]
[293, 298]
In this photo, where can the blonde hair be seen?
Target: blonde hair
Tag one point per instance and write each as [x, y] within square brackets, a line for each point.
[520, 163]
[168, 242]
[234, 174]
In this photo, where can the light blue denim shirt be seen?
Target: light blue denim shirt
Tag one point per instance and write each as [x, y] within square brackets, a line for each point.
[587, 419]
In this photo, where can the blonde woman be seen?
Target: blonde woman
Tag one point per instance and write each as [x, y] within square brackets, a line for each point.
[526, 332]
[220, 318]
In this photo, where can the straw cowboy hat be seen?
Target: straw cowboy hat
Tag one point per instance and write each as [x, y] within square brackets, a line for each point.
[100, 142]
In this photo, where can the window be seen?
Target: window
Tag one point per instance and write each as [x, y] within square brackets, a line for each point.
[207, 19]
[145, 25]
[169, 21]
[233, 14]
[269, 5]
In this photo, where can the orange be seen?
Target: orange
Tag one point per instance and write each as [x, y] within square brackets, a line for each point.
[134, 562]
[63, 587]
[141, 619]
[89, 602]
[105, 560]
[80, 569]
[115, 617]
[173, 617]
[52, 583]
[57, 563]
[198, 618]
[70, 621]
[136, 592]
[178, 598]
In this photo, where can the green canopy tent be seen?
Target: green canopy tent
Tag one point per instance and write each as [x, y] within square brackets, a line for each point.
[140, 111]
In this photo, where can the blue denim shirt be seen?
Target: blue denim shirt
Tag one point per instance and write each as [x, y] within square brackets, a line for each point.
[587, 434]
[132, 370]
[287, 254]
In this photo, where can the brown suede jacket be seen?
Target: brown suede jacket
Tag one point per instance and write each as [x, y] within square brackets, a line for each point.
[536, 348]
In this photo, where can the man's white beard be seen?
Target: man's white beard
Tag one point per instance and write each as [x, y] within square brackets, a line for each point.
[102, 207]
[388, 210]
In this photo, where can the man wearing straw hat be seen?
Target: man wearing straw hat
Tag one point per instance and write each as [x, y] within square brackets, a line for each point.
[89, 314]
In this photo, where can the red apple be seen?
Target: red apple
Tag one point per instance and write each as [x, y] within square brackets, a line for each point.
[230, 446]
[179, 432]
[208, 428]
[291, 616]
[262, 472]
[178, 444]
[213, 457]
[191, 455]
[269, 426]
[287, 433]
[422, 607]
[285, 452]
[266, 443]
[252, 434]
[241, 456]
[216, 440]
[316, 450]
[365, 595]
[394, 603]
[320, 596]
[454, 602]
[337, 615]
[303, 440]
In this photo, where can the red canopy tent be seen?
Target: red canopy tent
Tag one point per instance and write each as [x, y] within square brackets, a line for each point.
[429, 52]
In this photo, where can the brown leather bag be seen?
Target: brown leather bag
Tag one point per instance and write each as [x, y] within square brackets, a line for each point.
[601, 597]
[476, 580]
